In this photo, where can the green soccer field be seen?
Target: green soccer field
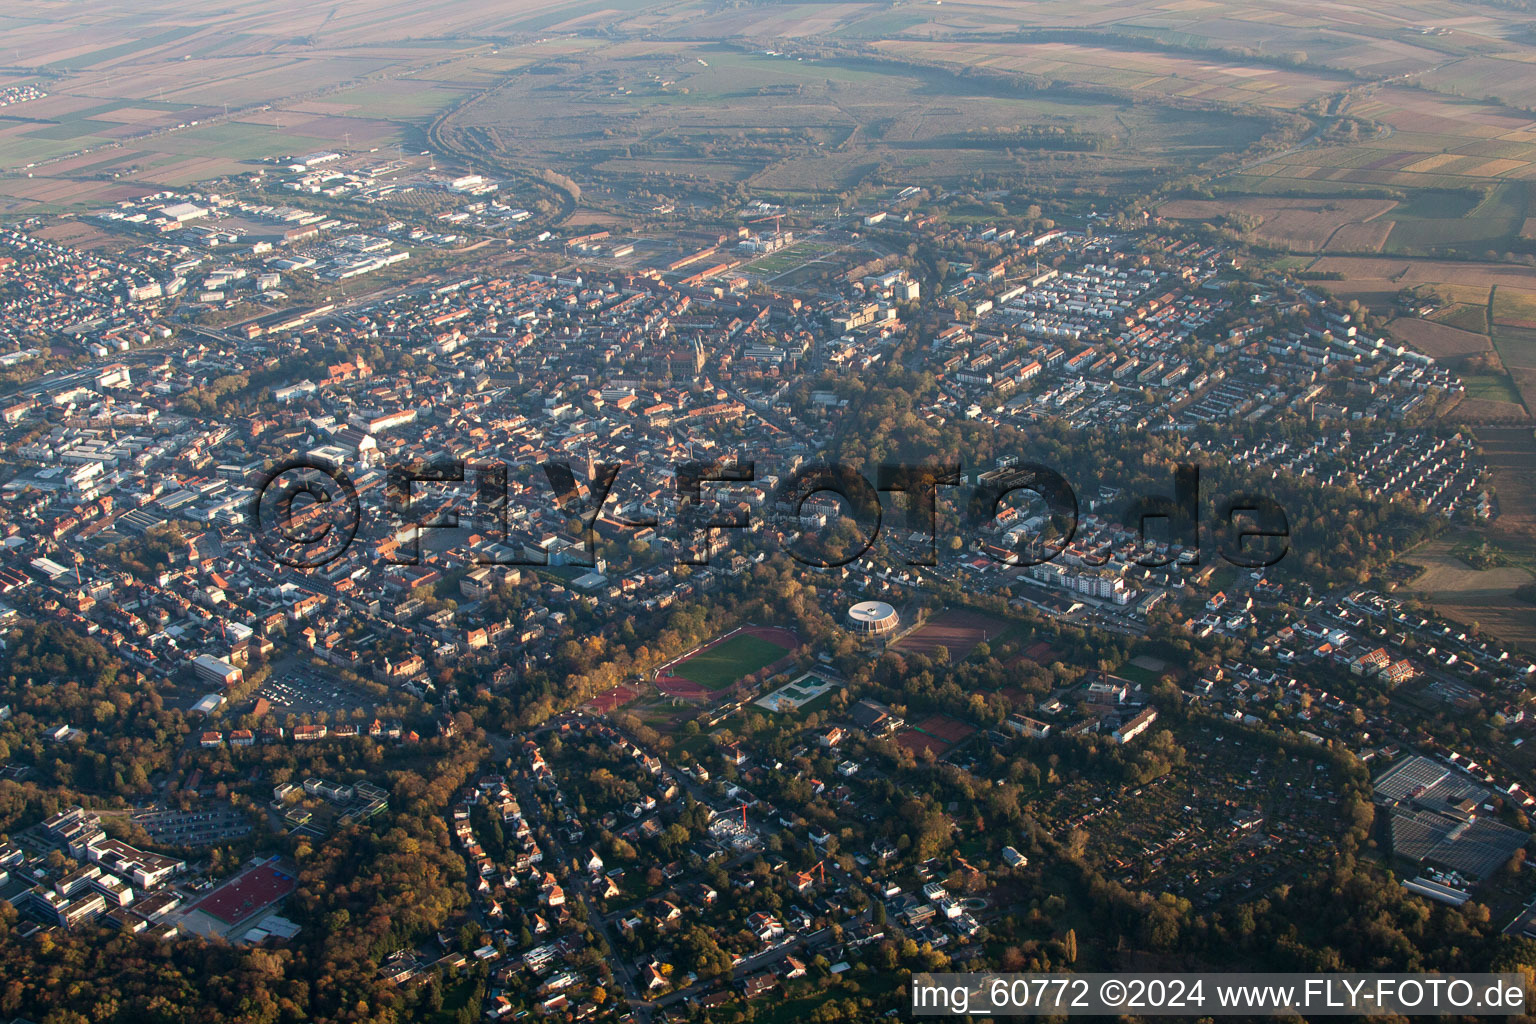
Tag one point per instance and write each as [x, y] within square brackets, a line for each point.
[724, 663]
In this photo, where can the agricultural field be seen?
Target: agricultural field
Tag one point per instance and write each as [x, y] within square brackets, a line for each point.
[1510, 453]
[162, 30]
[1517, 350]
[1144, 71]
[1484, 596]
[1506, 75]
[1429, 142]
[776, 123]
[1377, 279]
[1132, 94]
[1514, 308]
[1488, 397]
[1299, 225]
[161, 97]
[1375, 40]
[1460, 168]
[1464, 316]
[1437, 219]
[1364, 236]
[1447, 344]
[1498, 364]
[84, 235]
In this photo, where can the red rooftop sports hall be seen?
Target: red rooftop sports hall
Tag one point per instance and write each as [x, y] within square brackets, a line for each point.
[248, 893]
[728, 660]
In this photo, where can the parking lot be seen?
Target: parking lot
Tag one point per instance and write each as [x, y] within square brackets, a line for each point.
[193, 828]
[301, 689]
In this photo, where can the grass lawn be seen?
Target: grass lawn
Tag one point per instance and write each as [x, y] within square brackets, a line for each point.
[821, 703]
[1137, 674]
[724, 663]
[1491, 387]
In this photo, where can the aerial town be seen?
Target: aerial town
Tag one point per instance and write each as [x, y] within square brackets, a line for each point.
[434, 590]
[718, 827]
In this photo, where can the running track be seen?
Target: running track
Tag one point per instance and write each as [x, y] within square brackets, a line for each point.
[676, 686]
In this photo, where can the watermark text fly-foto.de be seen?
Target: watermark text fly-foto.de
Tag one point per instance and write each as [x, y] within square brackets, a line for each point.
[306, 514]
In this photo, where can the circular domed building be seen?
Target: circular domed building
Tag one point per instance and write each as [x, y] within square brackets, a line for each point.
[873, 618]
